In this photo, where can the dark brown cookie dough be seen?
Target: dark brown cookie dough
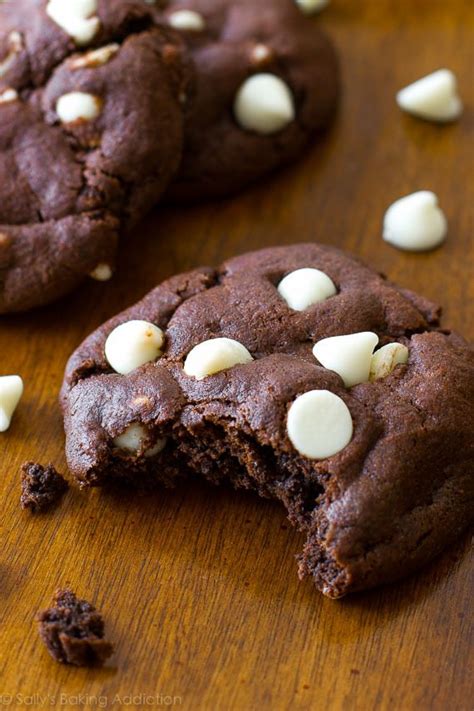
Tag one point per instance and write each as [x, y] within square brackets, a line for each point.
[73, 631]
[386, 503]
[90, 137]
[34, 39]
[238, 40]
[41, 487]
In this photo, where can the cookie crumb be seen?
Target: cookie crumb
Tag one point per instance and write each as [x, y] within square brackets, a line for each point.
[73, 631]
[41, 487]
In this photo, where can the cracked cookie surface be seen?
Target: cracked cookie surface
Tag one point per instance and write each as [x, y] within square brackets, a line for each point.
[389, 500]
[90, 136]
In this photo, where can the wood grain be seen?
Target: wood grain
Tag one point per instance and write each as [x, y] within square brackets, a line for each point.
[199, 586]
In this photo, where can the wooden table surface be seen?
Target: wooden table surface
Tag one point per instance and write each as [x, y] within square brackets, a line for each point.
[198, 586]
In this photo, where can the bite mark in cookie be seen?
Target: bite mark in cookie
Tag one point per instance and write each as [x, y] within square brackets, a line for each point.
[378, 474]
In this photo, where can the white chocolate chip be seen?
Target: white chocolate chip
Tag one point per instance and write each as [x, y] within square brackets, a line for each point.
[434, 97]
[386, 359]
[415, 222]
[11, 390]
[260, 54]
[15, 44]
[77, 106]
[156, 449]
[210, 357]
[102, 272]
[319, 424]
[7, 96]
[264, 104]
[310, 6]
[187, 20]
[15, 41]
[96, 57]
[133, 439]
[349, 356]
[305, 287]
[132, 344]
[76, 17]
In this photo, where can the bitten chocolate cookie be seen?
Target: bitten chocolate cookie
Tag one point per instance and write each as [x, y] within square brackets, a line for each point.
[91, 130]
[299, 373]
[267, 82]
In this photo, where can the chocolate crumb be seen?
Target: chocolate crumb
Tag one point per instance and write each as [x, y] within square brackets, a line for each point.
[41, 487]
[73, 631]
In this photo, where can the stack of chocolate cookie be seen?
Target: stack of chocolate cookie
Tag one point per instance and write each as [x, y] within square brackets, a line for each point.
[106, 105]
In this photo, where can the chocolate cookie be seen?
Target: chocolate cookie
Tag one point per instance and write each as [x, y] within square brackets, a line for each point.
[263, 373]
[91, 131]
[267, 82]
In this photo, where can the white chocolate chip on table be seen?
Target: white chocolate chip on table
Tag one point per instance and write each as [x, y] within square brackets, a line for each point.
[386, 359]
[319, 424]
[11, 390]
[433, 98]
[77, 18]
[78, 106]
[415, 222]
[264, 104]
[133, 344]
[311, 6]
[133, 440]
[187, 21]
[213, 356]
[349, 356]
[305, 287]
